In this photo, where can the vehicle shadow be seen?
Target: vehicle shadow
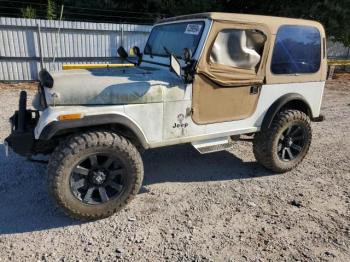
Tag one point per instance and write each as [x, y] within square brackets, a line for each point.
[182, 163]
[25, 205]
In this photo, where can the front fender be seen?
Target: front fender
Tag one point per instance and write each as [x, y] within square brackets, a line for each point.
[54, 127]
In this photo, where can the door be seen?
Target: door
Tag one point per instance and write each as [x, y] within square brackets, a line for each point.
[230, 73]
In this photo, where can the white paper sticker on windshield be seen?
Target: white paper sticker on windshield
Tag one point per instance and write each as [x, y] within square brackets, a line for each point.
[193, 29]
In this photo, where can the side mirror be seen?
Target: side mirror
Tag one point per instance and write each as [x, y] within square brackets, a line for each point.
[122, 53]
[136, 51]
[175, 65]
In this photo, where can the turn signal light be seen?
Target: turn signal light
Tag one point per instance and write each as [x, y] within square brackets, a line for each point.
[69, 117]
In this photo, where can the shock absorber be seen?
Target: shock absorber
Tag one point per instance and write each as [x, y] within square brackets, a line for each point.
[22, 109]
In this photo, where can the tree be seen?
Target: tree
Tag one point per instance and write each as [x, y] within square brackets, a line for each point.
[28, 12]
[51, 10]
[335, 16]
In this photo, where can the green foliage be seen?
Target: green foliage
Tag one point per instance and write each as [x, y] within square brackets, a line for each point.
[182, 7]
[28, 12]
[334, 15]
[51, 10]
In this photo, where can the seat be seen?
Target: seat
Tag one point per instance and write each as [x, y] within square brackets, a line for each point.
[230, 48]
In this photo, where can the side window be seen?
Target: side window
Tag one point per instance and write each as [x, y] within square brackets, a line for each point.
[238, 48]
[297, 50]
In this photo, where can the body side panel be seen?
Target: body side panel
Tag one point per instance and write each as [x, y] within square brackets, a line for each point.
[175, 125]
[178, 123]
[150, 119]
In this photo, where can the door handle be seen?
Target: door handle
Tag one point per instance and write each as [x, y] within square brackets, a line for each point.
[254, 89]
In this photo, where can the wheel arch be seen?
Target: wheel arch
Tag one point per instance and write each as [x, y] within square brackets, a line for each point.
[288, 101]
[119, 123]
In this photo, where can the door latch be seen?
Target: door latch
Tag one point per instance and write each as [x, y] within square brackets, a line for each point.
[189, 111]
[254, 90]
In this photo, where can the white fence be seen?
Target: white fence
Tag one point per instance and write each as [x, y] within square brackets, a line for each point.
[77, 42]
[338, 50]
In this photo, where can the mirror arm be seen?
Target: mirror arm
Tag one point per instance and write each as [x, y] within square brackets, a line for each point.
[139, 59]
[131, 62]
[139, 55]
[189, 70]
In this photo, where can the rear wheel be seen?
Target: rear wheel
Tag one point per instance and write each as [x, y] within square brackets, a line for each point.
[285, 144]
[94, 174]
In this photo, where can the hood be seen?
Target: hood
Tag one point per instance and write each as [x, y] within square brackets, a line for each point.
[112, 86]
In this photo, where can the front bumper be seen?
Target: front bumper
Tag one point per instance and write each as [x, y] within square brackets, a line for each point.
[21, 140]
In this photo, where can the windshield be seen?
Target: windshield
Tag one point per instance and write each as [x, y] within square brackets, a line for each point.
[173, 38]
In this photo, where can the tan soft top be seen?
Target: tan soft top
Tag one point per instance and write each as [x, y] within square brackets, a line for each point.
[272, 22]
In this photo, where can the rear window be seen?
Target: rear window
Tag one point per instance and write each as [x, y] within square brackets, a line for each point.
[297, 50]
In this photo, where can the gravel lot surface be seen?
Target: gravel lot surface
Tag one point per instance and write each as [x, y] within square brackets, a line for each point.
[216, 207]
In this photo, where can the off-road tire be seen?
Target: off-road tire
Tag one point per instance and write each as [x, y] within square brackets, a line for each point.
[69, 151]
[265, 142]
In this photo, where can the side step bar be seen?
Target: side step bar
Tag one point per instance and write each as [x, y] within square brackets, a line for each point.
[213, 145]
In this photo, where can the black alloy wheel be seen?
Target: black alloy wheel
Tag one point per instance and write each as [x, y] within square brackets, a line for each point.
[284, 144]
[97, 179]
[291, 142]
[94, 174]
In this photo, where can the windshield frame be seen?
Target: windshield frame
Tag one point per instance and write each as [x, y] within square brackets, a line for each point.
[202, 22]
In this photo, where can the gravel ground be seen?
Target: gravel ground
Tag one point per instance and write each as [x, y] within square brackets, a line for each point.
[216, 207]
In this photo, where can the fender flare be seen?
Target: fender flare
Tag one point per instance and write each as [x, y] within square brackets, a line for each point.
[55, 127]
[279, 103]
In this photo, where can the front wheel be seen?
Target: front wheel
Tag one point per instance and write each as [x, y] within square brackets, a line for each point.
[285, 144]
[94, 174]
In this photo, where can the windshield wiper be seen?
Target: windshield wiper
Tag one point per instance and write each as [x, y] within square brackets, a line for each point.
[167, 51]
